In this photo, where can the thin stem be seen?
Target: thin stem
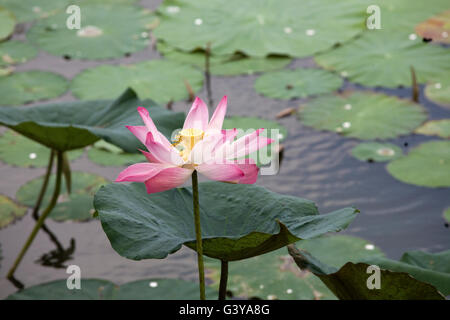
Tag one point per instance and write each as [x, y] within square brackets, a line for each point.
[208, 74]
[223, 279]
[42, 217]
[198, 235]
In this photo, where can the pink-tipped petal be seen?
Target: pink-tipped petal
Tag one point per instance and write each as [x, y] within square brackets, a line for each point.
[140, 172]
[250, 170]
[168, 179]
[150, 125]
[150, 158]
[161, 152]
[198, 116]
[218, 116]
[221, 171]
[139, 132]
[247, 144]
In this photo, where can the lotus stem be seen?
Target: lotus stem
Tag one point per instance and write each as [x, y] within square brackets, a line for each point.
[223, 279]
[198, 234]
[208, 74]
[44, 215]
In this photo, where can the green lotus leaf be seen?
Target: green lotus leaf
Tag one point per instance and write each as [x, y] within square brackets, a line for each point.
[427, 165]
[10, 211]
[106, 154]
[160, 80]
[227, 65]
[440, 128]
[385, 59]
[432, 268]
[238, 221]
[74, 206]
[107, 31]
[15, 52]
[7, 23]
[72, 125]
[30, 86]
[439, 91]
[18, 150]
[378, 152]
[436, 28]
[299, 83]
[349, 282]
[247, 125]
[28, 10]
[363, 115]
[446, 215]
[278, 277]
[259, 28]
[99, 289]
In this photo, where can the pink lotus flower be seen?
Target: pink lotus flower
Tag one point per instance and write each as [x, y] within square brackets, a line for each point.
[199, 146]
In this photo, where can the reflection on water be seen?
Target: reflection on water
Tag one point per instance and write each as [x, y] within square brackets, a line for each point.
[56, 258]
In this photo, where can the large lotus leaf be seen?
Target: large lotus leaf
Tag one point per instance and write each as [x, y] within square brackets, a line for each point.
[15, 149]
[160, 80]
[385, 59]
[238, 221]
[350, 281]
[226, 65]
[29, 86]
[439, 91]
[277, 277]
[363, 115]
[375, 151]
[10, 211]
[107, 31]
[7, 23]
[15, 52]
[258, 28]
[72, 125]
[426, 165]
[98, 289]
[246, 125]
[440, 128]
[106, 154]
[436, 28]
[299, 83]
[432, 268]
[74, 206]
[28, 10]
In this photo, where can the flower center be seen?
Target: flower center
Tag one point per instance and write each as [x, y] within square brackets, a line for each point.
[186, 140]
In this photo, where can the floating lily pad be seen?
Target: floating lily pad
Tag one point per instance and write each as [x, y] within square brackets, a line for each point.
[98, 289]
[427, 165]
[10, 211]
[363, 115]
[432, 268]
[28, 10]
[439, 91]
[350, 282]
[279, 278]
[160, 80]
[299, 83]
[76, 206]
[227, 65]
[436, 28]
[258, 28]
[446, 215]
[385, 59]
[72, 125]
[18, 150]
[106, 154]
[238, 221]
[15, 52]
[440, 128]
[378, 152]
[7, 23]
[107, 31]
[247, 125]
[29, 86]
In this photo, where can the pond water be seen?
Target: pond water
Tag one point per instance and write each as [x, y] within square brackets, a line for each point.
[317, 165]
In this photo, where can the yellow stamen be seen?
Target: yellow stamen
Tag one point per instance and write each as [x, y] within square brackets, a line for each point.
[187, 138]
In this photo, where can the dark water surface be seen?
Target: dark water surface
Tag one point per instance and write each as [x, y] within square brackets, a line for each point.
[316, 165]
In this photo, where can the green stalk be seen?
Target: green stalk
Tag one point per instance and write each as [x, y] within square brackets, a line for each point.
[223, 279]
[44, 215]
[198, 234]
[37, 206]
